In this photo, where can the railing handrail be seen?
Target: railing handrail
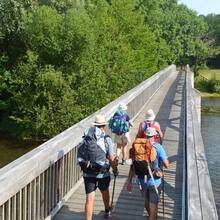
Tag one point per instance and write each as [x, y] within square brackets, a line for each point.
[200, 198]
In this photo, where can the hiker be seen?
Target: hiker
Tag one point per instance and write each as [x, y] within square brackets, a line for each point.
[95, 156]
[150, 122]
[148, 158]
[119, 125]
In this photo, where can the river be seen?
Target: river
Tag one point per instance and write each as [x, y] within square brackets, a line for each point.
[11, 149]
[210, 127]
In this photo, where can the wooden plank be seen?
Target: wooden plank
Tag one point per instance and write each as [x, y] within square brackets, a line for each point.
[3, 212]
[13, 207]
[38, 197]
[42, 197]
[20, 205]
[24, 203]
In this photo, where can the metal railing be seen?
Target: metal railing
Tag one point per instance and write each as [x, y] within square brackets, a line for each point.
[37, 184]
[200, 202]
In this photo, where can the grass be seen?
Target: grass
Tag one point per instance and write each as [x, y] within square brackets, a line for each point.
[210, 74]
[211, 95]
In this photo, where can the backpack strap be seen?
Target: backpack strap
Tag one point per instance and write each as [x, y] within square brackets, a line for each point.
[157, 159]
[145, 126]
[106, 143]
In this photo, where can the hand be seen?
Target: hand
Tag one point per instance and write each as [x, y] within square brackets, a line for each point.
[115, 171]
[116, 161]
[158, 172]
[129, 186]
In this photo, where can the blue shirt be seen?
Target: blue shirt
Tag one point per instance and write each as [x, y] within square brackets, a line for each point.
[161, 155]
[106, 145]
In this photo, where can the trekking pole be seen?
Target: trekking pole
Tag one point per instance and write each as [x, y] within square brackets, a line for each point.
[151, 175]
[113, 192]
[163, 193]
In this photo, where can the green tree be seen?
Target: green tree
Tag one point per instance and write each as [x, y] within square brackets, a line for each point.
[42, 30]
[50, 105]
[213, 22]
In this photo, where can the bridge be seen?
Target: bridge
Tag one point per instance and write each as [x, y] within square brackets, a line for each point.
[46, 183]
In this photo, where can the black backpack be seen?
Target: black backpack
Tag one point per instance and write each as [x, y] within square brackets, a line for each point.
[90, 156]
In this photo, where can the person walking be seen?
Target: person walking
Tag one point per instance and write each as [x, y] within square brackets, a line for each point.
[150, 122]
[119, 125]
[150, 180]
[95, 156]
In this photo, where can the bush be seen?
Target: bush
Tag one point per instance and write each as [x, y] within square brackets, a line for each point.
[205, 85]
[217, 87]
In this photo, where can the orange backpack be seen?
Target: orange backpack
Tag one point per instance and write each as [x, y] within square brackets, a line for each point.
[143, 155]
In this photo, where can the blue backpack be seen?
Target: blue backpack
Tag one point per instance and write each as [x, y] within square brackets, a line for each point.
[90, 155]
[118, 123]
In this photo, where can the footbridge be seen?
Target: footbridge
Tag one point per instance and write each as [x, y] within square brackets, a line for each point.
[46, 183]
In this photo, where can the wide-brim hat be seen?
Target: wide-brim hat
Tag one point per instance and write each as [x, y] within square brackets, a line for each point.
[150, 132]
[150, 116]
[122, 107]
[100, 120]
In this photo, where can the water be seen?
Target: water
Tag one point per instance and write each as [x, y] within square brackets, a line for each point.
[212, 102]
[11, 149]
[210, 126]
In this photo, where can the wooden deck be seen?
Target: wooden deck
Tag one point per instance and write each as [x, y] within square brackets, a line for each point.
[168, 103]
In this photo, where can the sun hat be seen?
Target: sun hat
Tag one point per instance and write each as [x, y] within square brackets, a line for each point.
[150, 116]
[100, 120]
[150, 132]
[122, 107]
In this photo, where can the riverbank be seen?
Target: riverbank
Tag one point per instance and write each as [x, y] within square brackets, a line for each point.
[208, 83]
[210, 104]
[209, 95]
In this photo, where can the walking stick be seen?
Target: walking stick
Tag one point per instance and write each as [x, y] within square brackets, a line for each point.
[163, 193]
[151, 175]
[113, 192]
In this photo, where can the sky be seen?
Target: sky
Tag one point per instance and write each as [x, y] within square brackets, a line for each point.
[203, 7]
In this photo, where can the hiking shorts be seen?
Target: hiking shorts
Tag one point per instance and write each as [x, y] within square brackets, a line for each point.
[92, 183]
[151, 196]
[122, 139]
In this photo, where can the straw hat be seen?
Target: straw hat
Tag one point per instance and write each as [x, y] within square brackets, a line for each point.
[150, 132]
[150, 116]
[100, 120]
[122, 107]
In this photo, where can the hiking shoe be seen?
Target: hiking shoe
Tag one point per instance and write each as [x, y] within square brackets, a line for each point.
[107, 213]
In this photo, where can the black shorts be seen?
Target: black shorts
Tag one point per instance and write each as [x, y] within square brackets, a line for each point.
[92, 183]
[151, 196]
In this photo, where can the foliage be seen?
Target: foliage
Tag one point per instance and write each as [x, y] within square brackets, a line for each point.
[213, 22]
[62, 60]
[42, 29]
[49, 98]
[205, 85]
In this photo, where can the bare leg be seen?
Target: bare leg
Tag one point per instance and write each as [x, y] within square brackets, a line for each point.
[146, 205]
[124, 152]
[153, 211]
[90, 197]
[118, 152]
[105, 198]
